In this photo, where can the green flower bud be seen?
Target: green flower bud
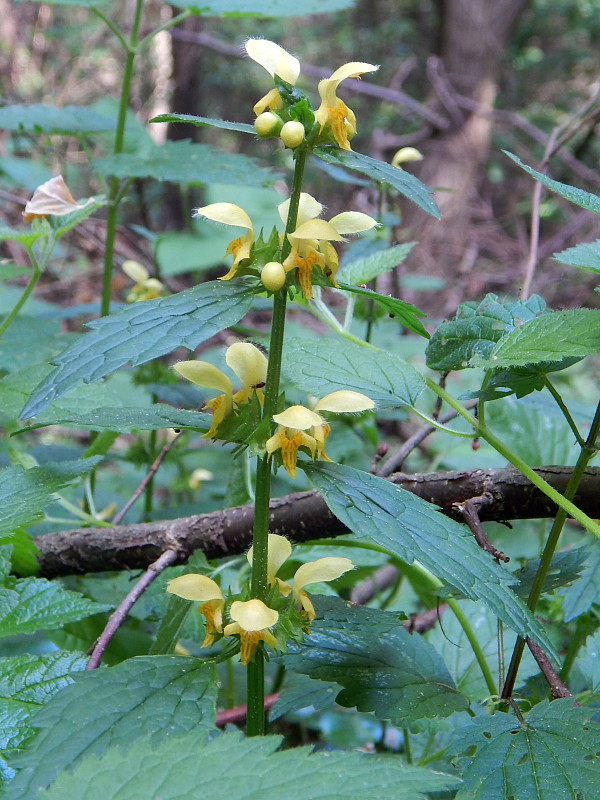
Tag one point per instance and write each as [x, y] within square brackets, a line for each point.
[273, 276]
[267, 124]
[292, 134]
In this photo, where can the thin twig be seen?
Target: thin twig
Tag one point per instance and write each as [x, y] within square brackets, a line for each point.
[118, 616]
[557, 687]
[470, 511]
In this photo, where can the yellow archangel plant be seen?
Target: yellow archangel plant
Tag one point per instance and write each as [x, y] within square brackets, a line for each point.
[146, 288]
[300, 427]
[250, 366]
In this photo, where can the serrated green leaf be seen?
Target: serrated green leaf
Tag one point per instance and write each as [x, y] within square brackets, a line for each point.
[141, 332]
[25, 492]
[31, 340]
[583, 199]
[24, 552]
[203, 121]
[406, 314]
[319, 366]
[158, 697]
[587, 665]
[381, 667]
[565, 334]
[521, 381]
[26, 683]
[185, 767]
[379, 171]
[265, 8]
[301, 692]
[370, 267]
[553, 754]
[585, 256]
[187, 162]
[584, 592]
[25, 237]
[412, 529]
[565, 568]
[65, 222]
[68, 120]
[477, 329]
[149, 418]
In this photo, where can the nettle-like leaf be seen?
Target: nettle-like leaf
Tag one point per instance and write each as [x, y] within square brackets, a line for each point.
[264, 8]
[553, 754]
[28, 605]
[243, 127]
[319, 366]
[68, 120]
[566, 567]
[412, 529]
[25, 237]
[141, 332]
[31, 340]
[150, 418]
[371, 266]
[574, 333]
[586, 200]
[185, 161]
[301, 692]
[586, 669]
[244, 769]
[406, 314]
[584, 592]
[584, 256]
[27, 682]
[382, 173]
[521, 381]
[24, 493]
[476, 330]
[381, 667]
[157, 697]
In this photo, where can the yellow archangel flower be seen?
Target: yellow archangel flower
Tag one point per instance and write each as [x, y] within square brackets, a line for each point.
[276, 61]
[333, 113]
[205, 591]
[298, 427]
[250, 366]
[251, 621]
[323, 569]
[230, 214]
[311, 240]
[52, 199]
[146, 288]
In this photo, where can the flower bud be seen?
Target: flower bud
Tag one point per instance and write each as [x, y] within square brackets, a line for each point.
[267, 124]
[273, 276]
[292, 134]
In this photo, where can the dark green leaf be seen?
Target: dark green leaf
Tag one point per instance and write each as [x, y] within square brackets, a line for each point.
[147, 418]
[380, 665]
[553, 754]
[68, 120]
[412, 529]
[565, 568]
[141, 332]
[521, 381]
[158, 697]
[370, 267]
[319, 366]
[584, 592]
[584, 256]
[187, 162]
[379, 171]
[476, 330]
[188, 768]
[301, 692]
[406, 314]
[571, 193]
[65, 222]
[202, 121]
[31, 340]
[587, 665]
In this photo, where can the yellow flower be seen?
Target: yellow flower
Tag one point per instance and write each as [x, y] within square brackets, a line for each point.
[293, 423]
[251, 621]
[323, 569]
[202, 590]
[276, 61]
[250, 366]
[406, 154]
[311, 239]
[146, 288]
[230, 214]
[53, 199]
[335, 114]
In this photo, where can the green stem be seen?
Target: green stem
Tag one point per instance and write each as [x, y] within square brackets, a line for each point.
[566, 413]
[23, 299]
[587, 452]
[113, 207]
[475, 646]
[255, 675]
[581, 630]
[407, 750]
[167, 26]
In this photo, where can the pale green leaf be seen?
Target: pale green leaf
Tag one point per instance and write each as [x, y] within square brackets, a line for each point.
[382, 173]
[141, 332]
[585, 256]
[205, 121]
[583, 199]
[586, 669]
[553, 754]
[68, 120]
[319, 366]
[158, 697]
[370, 267]
[25, 237]
[188, 768]
[412, 529]
[30, 340]
[380, 665]
[187, 162]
